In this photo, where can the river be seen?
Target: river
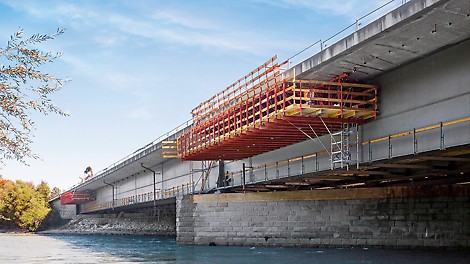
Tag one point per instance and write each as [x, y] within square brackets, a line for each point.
[25, 248]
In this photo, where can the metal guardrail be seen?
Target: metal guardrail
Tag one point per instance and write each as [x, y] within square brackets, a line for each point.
[282, 169]
[139, 198]
[145, 149]
[297, 165]
[137, 154]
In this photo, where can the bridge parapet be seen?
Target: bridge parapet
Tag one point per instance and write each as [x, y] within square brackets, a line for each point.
[144, 200]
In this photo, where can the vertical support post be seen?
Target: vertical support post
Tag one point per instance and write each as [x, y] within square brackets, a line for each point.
[283, 97]
[191, 176]
[442, 137]
[241, 116]
[221, 179]
[277, 170]
[370, 152]
[243, 176]
[210, 139]
[275, 97]
[260, 107]
[357, 147]
[113, 196]
[302, 169]
[250, 166]
[341, 99]
[415, 142]
[265, 173]
[316, 161]
[253, 107]
[389, 147]
[301, 98]
[288, 168]
[229, 127]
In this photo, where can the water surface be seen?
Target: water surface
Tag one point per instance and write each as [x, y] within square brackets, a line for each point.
[146, 249]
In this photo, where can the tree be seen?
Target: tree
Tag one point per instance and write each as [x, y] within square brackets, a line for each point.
[23, 204]
[44, 191]
[55, 192]
[23, 89]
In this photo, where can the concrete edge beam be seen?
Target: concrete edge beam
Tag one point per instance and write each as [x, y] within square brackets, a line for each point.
[400, 15]
[338, 194]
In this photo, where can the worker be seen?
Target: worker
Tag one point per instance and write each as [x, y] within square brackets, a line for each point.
[228, 179]
[88, 173]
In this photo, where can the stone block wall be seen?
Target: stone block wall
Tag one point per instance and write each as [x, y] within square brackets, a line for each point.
[68, 211]
[405, 222]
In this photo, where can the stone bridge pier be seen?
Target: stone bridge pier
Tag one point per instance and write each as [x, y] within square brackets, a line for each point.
[394, 217]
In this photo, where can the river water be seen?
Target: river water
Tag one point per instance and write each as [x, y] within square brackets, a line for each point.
[146, 249]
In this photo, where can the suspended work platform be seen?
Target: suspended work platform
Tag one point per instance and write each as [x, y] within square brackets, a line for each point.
[267, 110]
[76, 197]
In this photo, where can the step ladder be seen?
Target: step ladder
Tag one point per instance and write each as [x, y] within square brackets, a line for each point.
[343, 154]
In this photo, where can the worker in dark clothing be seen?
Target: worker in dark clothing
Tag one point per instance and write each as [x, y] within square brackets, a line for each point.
[228, 179]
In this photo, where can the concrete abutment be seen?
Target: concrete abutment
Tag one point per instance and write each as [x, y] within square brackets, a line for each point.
[396, 217]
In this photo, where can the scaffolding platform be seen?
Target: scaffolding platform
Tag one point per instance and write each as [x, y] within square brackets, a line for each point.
[265, 111]
[74, 197]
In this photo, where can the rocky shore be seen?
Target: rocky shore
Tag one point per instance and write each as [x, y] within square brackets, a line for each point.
[116, 225]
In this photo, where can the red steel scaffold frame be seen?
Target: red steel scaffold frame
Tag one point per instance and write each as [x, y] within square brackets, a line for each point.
[265, 110]
[76, 197]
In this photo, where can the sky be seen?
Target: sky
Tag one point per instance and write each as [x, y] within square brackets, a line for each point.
[138, 67]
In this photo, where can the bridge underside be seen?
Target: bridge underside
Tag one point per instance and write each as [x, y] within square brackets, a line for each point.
[449, 166]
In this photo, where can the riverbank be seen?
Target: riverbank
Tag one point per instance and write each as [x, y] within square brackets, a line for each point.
[10, 228]
[112, 225]
[13, 231]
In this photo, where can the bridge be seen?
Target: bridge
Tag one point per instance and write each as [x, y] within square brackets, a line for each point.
[383, 113]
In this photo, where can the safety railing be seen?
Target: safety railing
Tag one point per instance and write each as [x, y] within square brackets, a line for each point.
[146, 197]
[237, 91]
[137, 154]
[313, 162]
[358, 23]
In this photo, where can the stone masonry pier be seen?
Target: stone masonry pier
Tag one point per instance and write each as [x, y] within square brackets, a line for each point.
[395, 217]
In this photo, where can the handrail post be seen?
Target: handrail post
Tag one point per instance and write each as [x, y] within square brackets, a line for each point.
[442, 136]
[243, 175]
[389, 146]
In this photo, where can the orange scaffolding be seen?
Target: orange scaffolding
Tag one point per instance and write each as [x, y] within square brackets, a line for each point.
[265, 110]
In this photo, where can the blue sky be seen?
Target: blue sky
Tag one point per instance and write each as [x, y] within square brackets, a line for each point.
[137, 68]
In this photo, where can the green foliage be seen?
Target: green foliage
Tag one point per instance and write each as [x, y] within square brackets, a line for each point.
[23, 89]
[55, 192]
[24, 204]
[44, 191]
